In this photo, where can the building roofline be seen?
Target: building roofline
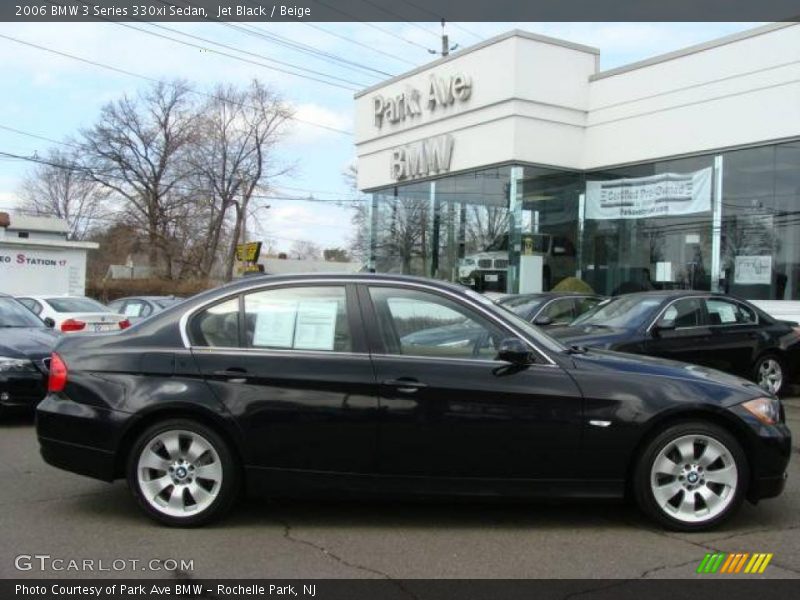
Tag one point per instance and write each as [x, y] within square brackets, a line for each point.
[43, 243]
[528, 35]
[694, 49]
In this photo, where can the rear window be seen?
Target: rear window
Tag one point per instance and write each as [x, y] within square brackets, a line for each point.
[76, 305]
[165, 302]
[14, 314]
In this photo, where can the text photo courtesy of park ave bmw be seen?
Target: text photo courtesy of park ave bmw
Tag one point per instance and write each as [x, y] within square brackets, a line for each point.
[399, 299]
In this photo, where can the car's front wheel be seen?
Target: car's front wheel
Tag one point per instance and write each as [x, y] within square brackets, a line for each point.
[691, 476]
[182, 473]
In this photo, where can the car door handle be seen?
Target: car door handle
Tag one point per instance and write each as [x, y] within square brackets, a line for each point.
[231, 374]
[406, 386]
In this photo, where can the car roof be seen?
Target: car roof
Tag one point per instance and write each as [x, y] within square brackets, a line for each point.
[552, 294]
[50, 296]
[675, 294]
[146, 298]
[255, 281]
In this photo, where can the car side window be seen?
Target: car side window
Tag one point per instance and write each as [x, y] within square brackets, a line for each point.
[416, 323]
[560, 311]
[217, 325]
[32, 305]
[726, 312]
[686, 312]
[136, 308]
[298, 318]
[583, 305]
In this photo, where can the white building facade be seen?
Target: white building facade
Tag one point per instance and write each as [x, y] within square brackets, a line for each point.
[517, 163]
[37, 258]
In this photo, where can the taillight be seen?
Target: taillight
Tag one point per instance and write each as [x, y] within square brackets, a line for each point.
[72, 325]
[58, 374]
[124, 324]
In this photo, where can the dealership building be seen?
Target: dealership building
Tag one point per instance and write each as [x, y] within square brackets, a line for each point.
[517, 162]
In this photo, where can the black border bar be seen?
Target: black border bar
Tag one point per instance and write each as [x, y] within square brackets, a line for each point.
[400, 10]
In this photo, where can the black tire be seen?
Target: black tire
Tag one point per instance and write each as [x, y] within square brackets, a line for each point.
[226, 491]
[764, 358]
[669, 516]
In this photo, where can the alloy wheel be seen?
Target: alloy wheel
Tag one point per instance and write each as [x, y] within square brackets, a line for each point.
[694, 478]
[770, 375]
[179, 473]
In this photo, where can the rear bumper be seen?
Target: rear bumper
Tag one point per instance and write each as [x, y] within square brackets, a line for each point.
[79, 438]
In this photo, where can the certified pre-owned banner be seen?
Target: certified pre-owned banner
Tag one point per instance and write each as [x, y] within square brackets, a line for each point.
[664, 195]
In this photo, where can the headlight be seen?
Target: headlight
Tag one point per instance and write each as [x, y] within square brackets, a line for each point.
[766, 410]
[16, 365]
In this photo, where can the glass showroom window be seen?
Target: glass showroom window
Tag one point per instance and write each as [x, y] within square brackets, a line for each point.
[453, 228]
[649, 227]
[544, 228]
[760, 225]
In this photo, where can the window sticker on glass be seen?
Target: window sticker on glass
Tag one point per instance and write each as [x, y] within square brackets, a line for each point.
[275, 322]
[133, 310]
[316, 325]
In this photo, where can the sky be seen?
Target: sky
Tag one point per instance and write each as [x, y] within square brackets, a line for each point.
[54, 96]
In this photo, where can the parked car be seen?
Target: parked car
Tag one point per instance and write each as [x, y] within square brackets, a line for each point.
[293, 384]
[71, 314]
[26, 344]
[708, 329]
[550, 309]
[136, 308]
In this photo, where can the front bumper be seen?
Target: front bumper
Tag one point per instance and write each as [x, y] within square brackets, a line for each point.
[80, 438]
[23, 390]
[768, 453]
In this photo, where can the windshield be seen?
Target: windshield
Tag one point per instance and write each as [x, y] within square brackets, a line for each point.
[534, 333]
[627, 312]
[14, 314]
[76, 305]
[522, 305]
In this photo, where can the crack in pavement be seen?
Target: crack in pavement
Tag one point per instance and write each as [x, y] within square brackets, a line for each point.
[290, 536]
[652, 570]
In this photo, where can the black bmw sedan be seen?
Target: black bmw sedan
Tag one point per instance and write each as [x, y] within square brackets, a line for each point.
[713, 330]
[26, 344]
[297, 384]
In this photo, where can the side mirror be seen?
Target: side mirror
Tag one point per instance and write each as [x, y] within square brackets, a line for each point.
[666, 326]
[49, 322]
[515, 351]
[543, 321]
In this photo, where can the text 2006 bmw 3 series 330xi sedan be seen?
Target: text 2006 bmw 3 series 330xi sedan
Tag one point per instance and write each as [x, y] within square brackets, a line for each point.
[290, 385]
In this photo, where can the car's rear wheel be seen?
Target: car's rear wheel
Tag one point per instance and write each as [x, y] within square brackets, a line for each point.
[770, 373]
[691, 476]
[183, 473]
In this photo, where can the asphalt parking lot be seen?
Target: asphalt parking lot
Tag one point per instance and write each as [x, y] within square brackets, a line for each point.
[49, 512]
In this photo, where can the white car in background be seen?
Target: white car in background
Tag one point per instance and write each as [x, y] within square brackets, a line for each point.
[75, 314]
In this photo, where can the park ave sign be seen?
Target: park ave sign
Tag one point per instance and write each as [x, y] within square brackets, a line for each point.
[440, 92]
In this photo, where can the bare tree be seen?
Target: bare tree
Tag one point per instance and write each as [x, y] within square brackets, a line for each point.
[303, 250]
[235, 155]
[57, 187]
[135, 149]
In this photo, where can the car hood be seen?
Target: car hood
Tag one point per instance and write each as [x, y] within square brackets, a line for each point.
[649, 368]
[27, 342]
[591, 336]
